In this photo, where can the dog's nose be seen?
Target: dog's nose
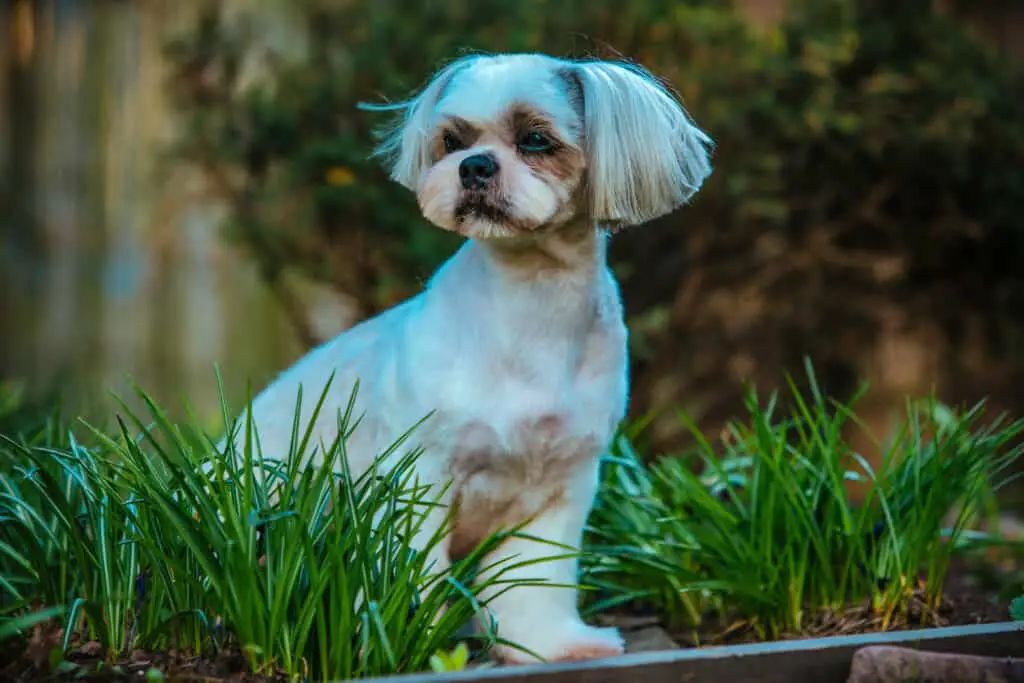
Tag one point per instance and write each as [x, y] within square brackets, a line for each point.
[476, 170]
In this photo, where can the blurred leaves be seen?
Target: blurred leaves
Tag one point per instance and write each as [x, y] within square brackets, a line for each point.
[1017, 609]
[855, 135]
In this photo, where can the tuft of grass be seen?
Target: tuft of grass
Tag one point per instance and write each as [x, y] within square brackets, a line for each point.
[154, 538]
[456, 660]
[759, 526]
[1017, 608]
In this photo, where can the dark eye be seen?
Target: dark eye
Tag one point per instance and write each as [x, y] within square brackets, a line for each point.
[452, 143]
[534, 142]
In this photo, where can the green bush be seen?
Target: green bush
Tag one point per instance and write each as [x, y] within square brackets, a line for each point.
[152, 538]
[867, 152]
[155, 539]
[760, 527]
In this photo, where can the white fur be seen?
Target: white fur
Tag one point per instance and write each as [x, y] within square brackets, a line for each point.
[407, 144]
[636, 177]
[514, 329]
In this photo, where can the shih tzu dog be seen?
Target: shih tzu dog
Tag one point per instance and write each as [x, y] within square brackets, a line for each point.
[517, 345]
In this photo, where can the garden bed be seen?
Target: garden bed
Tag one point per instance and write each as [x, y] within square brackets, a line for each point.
[164, 559]
[718, 652]
[965, 602]
[822, 660]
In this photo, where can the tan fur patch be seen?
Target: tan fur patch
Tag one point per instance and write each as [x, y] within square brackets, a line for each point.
[560, 249]
[500, 485]
[522, 118]
[463, 131]
[564, 163]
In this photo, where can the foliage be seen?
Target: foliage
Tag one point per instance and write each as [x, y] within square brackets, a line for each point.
[156, 539]
[1017, 608]
[866, 153]
[456, 660]
[760, 526]
[30, 419]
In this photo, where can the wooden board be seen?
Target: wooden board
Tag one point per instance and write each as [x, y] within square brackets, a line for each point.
[818, 660]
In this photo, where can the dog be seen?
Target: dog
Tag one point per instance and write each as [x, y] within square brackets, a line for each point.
[517, 346]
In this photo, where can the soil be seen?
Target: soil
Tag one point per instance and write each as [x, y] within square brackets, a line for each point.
[966, 602]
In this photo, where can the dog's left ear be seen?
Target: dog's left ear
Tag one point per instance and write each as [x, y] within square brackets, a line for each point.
[406, 145]
[645, 156]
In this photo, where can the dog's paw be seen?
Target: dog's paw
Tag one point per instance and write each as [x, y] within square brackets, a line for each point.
[573, 643]
[598, 643]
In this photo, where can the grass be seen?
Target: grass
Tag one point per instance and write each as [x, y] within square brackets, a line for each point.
[146, 536]
[760, 528]
[153, 539]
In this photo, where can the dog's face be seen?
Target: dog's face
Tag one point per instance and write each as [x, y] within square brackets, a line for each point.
[503, 146]
[505, 150]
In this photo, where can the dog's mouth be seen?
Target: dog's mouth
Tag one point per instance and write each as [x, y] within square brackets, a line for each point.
[477, 205]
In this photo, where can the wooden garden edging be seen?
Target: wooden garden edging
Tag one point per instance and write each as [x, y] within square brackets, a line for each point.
[816, 660]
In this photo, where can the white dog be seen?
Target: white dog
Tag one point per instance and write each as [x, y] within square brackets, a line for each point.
[517, 344]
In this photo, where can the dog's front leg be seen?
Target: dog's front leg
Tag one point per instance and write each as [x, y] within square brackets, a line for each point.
[539, 618]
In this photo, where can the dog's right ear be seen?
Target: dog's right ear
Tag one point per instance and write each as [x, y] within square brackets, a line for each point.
[405, 144]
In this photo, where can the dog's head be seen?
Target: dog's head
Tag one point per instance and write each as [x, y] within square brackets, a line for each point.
[499, 146]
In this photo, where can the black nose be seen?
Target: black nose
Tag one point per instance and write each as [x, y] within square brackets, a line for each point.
[476, 170]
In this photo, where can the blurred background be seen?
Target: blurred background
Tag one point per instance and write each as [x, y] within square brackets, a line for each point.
[186, 183]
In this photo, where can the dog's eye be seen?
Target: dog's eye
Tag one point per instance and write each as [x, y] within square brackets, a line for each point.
[534, 142]
[452, 143]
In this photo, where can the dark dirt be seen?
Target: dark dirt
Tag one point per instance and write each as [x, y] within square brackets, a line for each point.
[84, 664]
[966, 602]
[957, 609]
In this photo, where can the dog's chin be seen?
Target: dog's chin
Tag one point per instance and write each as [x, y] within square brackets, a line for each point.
[481, 217]
[490, 215]
[473, 207]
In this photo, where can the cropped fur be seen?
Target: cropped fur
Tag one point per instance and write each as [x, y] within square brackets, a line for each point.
[517, 345]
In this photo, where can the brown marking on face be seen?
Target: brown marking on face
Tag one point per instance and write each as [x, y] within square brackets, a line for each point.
[564, 162]
[460, 129]
[521, 119]
[499, 486]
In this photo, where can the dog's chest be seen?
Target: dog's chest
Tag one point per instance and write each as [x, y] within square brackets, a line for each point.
[504, 474]
[520, 424]
[529, 425]
[522, 416]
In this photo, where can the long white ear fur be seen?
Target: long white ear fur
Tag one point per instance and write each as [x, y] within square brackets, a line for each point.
[645, 155]
[405, 144]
